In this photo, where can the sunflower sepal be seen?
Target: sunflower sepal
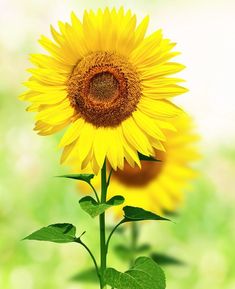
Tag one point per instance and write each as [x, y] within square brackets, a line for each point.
[94, 208]
[79, 177]
[144, 274]
[136, 214]
[147, 158]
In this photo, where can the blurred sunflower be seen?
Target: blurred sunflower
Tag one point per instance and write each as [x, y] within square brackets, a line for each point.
[109, 84]
[158, 186]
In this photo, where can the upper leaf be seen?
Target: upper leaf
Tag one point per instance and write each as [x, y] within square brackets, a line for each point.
[147, 158]
[138, 214]
[58, 233]
[93, 208]
[145, 274]
[81, 177]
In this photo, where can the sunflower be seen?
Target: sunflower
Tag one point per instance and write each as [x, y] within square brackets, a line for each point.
[108, 84]
[158, 186]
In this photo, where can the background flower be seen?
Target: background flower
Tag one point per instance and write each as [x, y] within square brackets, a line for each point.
[157, 186]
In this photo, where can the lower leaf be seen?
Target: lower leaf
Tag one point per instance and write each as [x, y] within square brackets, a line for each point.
[145, 274]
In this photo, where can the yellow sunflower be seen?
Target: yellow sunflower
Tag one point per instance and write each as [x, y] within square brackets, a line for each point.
[108, 83]
[158, 186]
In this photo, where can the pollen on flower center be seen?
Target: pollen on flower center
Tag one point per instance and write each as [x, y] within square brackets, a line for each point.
[136, 177]
[104, 89]
[103, 86]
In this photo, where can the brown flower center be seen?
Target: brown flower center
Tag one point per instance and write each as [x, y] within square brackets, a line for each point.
[136, 177]
[103, 86]
[104, 89]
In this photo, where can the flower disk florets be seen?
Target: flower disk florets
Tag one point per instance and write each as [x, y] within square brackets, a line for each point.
[104, 88]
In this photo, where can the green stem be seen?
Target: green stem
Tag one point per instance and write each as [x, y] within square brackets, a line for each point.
[134, 240]
[93, 259]
[110, 174]
[103, 251]
[94, 190]
[111, 234]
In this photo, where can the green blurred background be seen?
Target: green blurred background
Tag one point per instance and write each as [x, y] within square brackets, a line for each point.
[30, 197]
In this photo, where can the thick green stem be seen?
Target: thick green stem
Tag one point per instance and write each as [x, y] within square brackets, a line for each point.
[103, 251]
[134, 240]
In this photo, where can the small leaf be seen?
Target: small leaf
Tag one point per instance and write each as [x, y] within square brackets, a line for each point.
[87, 276]
[143, 248]
[132, 214]
[90, 206]
[58, 233]
[147, 158]
[80, 177]
[123, 252]
[145, 274]
[163, 259]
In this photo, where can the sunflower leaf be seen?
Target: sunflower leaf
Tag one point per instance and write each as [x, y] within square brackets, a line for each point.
[80, 177]
[163, 259]
[57, 233]
[147, 158]
[134, 214]
[93, 208]
[125, 253]
[145, 274]
[87, 276]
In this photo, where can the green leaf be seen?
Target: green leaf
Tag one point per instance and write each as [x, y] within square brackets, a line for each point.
[125, 253]
[87, 276]
[80, 177]
[163, 259]
[133, 214]
[93, 208]
[145, 274]
[147, 158]
[143, 248]
[58, 233]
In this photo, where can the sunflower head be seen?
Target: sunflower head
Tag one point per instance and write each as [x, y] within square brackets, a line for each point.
[108, 84]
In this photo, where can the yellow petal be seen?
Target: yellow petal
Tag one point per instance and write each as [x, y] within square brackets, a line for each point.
[56, 114]
[48, 76]
[48, 62]
[67, 151]
[36, 86]
[161, 70]
[148, 125]
[100, 145]
[164, 91]
[48, 98]
[85, 140]
[158, 108]
[72, 132]
[141, 30]
[136, 137]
